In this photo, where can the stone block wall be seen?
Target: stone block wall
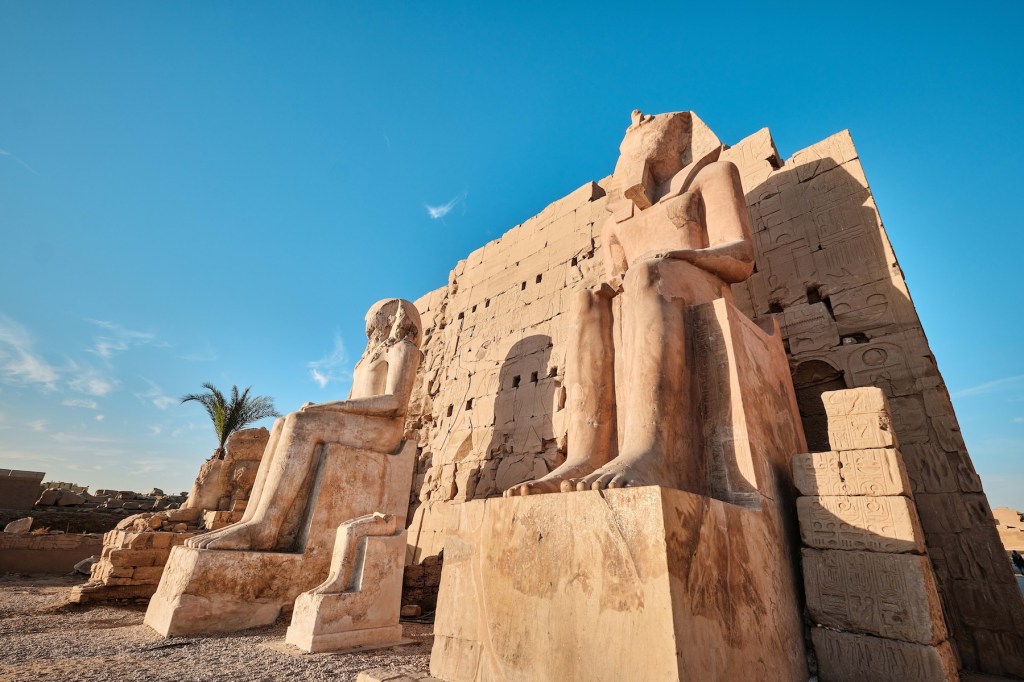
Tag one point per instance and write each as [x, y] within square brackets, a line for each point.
[45, 552]
[870, 591]
[490, 397]
[19, 489]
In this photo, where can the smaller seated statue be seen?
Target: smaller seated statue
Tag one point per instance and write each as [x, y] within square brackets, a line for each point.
[373, 418]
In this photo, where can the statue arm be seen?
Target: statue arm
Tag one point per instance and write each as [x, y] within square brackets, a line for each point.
[403, 361]
[730, 233]
[614, 256]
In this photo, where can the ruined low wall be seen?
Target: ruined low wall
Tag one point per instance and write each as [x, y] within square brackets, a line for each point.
[19, 489]
[49, 553]
[490, 397]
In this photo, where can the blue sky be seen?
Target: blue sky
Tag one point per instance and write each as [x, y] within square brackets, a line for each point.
[216, 192]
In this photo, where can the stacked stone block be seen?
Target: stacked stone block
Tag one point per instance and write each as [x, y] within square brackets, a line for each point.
[870, 588]
[134, 555]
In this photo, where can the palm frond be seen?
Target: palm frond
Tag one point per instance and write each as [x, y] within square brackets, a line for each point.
[230, 416]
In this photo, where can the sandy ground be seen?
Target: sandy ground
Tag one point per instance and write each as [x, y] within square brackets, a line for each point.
[44, 638]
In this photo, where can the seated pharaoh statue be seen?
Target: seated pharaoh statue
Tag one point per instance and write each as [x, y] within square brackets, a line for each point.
[678, 234]
[373, 418]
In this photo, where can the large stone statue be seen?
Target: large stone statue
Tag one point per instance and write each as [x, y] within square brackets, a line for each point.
[373, 418]
[323, 466]
[678, 235]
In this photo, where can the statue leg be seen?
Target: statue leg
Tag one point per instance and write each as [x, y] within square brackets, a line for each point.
[657, 395]
[590, 386]
[278, 484]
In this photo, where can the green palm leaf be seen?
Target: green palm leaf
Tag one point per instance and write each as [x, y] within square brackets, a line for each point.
[231, 415]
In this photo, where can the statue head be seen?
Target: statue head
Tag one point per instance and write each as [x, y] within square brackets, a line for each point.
[392, 320]
[658, 146]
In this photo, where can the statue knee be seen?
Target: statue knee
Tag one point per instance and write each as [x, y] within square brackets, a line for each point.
[644, 275]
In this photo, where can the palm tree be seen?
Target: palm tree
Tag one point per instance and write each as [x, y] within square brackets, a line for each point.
[231, 415]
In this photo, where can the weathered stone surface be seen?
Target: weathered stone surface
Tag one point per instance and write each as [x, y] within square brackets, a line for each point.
[889, 595]
[877, 524]
[878, 471]
[359, 603]
[49, 553]
[846, 657]
[22, 525]
[605, 572]
[392, 675]
[826, 273]
[19, 489]
[210, 591]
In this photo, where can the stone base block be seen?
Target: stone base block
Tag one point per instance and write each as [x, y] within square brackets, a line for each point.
[206, 590]
[626, 584]
[845, 657]
[367, 614]
[84, 594]
[339, 642]
[874, 524]
[889, 595]
[393, 675]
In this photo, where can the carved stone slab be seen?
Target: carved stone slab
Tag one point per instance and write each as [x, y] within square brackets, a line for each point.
[853, 401]
[859, 418]
[874, 524]
[844, 657]
[890, 595]
[861, 431]
[878, 471]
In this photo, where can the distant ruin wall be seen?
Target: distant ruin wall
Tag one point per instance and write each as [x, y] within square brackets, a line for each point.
[490, 396]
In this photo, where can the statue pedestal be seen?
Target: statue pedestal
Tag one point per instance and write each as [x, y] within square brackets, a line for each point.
[367, 615]
[635, 583]
[646, 583]
[207, 590]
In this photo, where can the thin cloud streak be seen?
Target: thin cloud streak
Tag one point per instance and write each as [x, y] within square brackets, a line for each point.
[155, 394]
[120, 339]
[4, 152]
[332, 367]
[18, 360]
[437, 212]
[86, 403]
[989, 386]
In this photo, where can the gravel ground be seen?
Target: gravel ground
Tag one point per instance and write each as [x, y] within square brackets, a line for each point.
[42, 637]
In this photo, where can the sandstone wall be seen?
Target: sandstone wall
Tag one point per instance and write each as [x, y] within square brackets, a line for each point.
[490, 396]
[19, 489]
[46, 553]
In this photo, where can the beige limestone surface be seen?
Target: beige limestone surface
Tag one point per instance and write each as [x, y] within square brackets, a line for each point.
[360, 602]
[888, 595]
[635, 583]
[492, 393]
[645, 581]
[846, 657]
[875, 472]
[323, 466]
[878, 524]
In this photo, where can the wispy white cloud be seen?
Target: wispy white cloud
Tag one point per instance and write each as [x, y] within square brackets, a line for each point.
[4, 152]
[86, 403]
[89, 380]
[990, 386]
[332, 367]
[437, 212]
[100, 417]
[64, 437]
[155, 394]
[118, 339]
[19, 362]
[38, 425]
[156, 429]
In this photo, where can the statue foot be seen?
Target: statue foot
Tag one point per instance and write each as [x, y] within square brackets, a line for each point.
[238, 536]
[552, 482]
[625, 471]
